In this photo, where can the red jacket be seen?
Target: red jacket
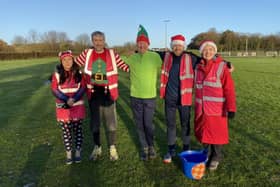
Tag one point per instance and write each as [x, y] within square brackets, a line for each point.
[214, 97]
[111, 72]
[186, 77]
[113, 61]
[62, 92]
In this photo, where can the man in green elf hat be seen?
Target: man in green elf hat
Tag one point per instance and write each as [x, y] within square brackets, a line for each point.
[144, 66]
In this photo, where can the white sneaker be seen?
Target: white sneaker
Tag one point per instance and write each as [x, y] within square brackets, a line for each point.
[213, 165]
[96, 152]
[68, 158]
[167, 159]
[113, 153]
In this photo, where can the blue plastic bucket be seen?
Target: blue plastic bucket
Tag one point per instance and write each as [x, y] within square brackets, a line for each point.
[194, 163]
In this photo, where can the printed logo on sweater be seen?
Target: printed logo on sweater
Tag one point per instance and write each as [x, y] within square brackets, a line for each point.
[98, 75]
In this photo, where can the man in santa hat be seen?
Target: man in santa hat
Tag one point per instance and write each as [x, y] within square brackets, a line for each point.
[176, 88]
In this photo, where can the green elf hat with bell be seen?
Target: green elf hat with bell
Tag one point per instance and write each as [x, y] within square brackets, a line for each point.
[142, 35]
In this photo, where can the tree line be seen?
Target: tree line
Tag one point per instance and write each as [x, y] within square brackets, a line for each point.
[234, 41]
[54, 41]
[46, 42]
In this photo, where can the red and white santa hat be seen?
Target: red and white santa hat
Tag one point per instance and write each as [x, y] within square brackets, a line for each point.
[207, 42]
[64, 54]
[178, 40]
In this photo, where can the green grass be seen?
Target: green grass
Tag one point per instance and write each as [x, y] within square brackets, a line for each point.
[32, 149]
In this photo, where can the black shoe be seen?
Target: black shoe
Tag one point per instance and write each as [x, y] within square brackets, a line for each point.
[77, 159]
[144, 154]
[186, 147]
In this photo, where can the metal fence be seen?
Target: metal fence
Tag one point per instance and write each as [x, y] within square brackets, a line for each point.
[250, 53]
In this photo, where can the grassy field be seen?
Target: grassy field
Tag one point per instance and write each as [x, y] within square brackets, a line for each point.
[31, 149]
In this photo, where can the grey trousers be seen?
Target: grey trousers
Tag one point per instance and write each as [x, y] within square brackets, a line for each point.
[171, 105]
[214, 152]
[143, 112]
[103, 113]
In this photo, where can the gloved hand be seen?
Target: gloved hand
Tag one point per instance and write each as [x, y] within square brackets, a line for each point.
[65, 106]
[228, 64]
[231, 115]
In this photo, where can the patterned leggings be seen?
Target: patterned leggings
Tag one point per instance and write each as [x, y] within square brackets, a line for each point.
[72, 128]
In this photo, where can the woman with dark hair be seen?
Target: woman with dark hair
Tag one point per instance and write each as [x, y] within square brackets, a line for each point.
[68, 87]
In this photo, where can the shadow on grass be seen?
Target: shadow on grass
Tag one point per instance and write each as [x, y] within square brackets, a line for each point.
[35, 165]
[160, 133]
[125, 117]
[254, 138]
[16, 93]
[155, 169]
[34, 69]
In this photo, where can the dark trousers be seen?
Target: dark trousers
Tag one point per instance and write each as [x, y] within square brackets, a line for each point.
[214, 152]
[171, 104]
[99, 111]
[143, 112]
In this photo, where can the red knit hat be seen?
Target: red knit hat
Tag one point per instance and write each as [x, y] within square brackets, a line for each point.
[207, 42]
[64, 54]
[142, 35]
[178, 40]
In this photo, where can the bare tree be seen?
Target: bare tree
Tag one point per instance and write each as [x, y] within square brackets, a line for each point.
[19, 40]
[62, 37]
[127, 49]
[33, 36]
[55, 41]
[50, 39]
[82, 42]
